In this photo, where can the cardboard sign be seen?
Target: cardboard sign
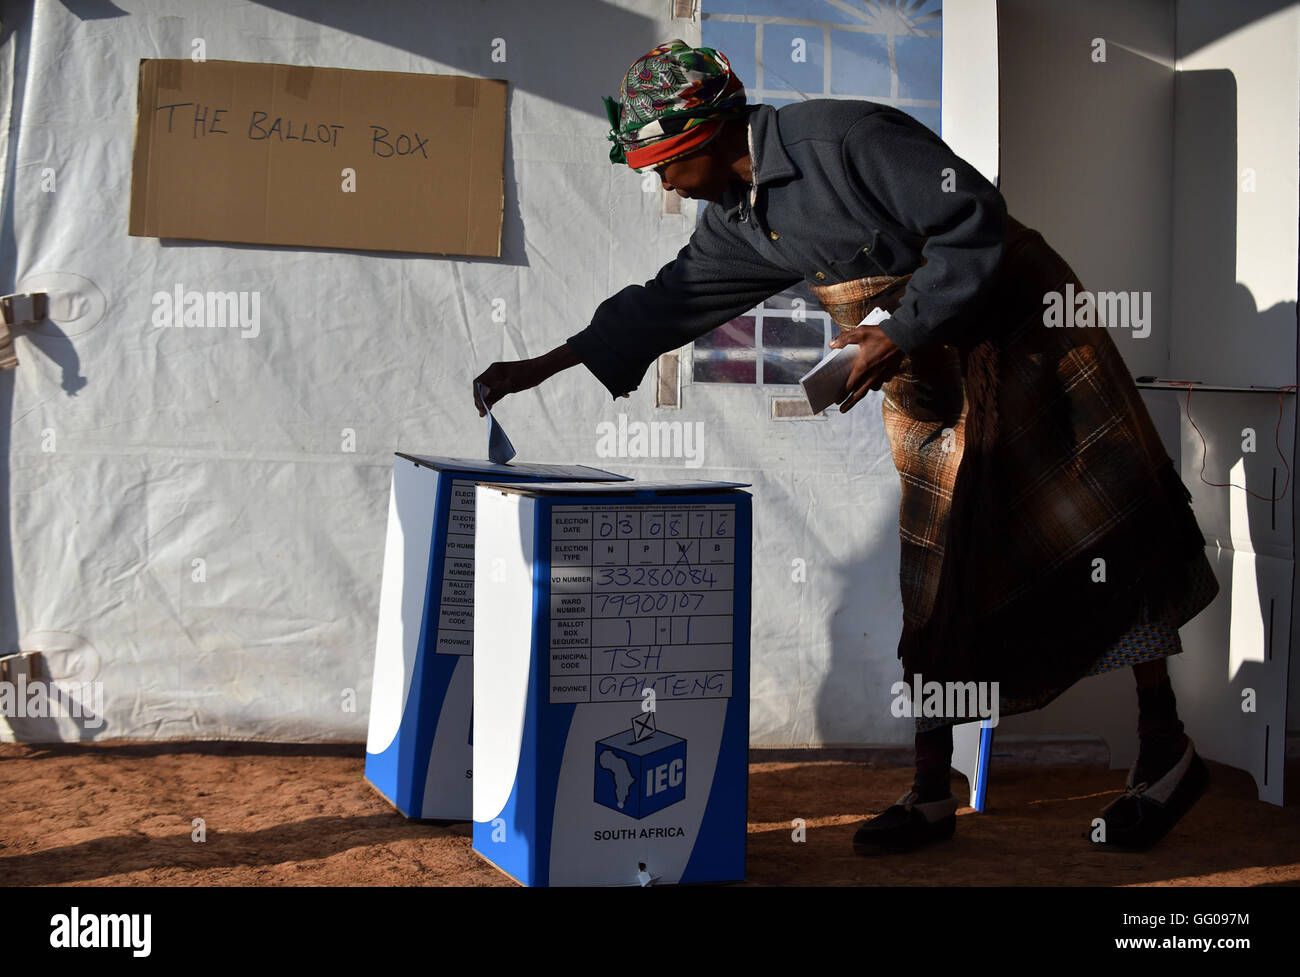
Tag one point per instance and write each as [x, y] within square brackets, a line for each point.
[326, 157]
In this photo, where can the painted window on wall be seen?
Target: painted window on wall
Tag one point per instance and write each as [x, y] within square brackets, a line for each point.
[887, 51]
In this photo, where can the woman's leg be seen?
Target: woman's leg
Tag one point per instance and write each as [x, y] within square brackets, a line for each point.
[929, 816]
[1138, 818]
[933, 763]
[1161, 740]
[1152, 673]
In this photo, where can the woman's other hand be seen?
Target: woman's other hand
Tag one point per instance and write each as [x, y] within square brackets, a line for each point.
[878, 360]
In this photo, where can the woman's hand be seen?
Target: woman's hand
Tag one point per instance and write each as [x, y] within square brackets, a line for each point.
[513, 376]
[505, 378]
[878, 360]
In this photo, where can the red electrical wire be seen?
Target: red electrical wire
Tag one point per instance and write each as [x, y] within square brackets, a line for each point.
[1205, 447]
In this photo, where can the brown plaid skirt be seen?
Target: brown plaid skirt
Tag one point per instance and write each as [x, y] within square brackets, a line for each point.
[1040, 515]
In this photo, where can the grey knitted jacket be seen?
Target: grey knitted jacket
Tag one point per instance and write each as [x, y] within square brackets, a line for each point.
[842, 189]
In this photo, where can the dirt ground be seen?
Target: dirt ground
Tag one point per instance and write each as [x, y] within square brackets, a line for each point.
[121, 814]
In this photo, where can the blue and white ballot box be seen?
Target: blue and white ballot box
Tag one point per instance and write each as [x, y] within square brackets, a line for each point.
[418, 748]
[611, 682]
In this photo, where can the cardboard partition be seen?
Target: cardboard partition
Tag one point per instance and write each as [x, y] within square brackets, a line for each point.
[1139, 160]
[969, 121]
[327, 157]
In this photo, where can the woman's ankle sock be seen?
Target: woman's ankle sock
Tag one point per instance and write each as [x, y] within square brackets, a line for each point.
[933, 761]
[1161, 740]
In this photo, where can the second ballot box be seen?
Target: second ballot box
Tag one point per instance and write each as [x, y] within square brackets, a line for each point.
[611, 682]
[418, 747]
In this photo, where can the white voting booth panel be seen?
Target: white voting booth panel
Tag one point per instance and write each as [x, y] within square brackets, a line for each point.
[418, 748]
[1205, 95]
[969, 124]
[611, 691]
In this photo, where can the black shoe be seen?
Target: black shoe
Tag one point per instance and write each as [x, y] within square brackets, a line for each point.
[1144, 813]
[907, 825]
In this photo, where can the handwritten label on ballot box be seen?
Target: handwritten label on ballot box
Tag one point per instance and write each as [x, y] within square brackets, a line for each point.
[611, 687]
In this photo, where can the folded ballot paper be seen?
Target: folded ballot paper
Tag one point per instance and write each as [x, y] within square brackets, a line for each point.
[824, 384]
[500, 450]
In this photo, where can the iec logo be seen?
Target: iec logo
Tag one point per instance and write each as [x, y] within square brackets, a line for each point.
[641, 770]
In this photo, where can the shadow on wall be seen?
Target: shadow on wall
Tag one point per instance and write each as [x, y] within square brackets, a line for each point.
[519, 42]
[39, 706]
[574, 73]
[1206, 294]
[852, 700]
[567, 51]
[863, 663]
[1205, 258]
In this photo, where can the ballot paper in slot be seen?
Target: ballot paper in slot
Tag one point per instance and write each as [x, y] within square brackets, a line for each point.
[418, 748]
[500, 450]
[824, 384]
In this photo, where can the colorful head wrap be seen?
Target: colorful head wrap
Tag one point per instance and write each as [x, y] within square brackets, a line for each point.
[672, 101]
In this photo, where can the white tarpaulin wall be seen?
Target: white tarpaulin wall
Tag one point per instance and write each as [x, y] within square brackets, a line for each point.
[201, 516]
[196, 520]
